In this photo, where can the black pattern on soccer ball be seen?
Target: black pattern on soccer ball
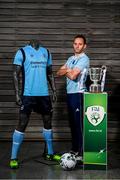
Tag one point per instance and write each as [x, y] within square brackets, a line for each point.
[68, 161]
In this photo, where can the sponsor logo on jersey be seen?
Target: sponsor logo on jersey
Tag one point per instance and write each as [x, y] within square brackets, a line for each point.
[37, 64]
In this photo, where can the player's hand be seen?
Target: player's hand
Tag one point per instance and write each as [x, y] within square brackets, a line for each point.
[18, 100]
[54, 96]
[68, 70]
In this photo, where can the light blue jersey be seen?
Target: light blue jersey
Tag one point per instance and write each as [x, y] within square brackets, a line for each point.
[81, 62]
[34, 70]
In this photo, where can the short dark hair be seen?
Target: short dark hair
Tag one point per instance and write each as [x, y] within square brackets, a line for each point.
[81, 36]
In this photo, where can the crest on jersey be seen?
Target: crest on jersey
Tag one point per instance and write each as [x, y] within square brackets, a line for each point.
[31, 55]
[95, 114]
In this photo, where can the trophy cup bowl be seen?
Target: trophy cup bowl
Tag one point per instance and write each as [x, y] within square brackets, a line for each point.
[95, 76]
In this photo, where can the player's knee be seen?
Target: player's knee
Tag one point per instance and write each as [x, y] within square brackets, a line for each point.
[47, 125]
[23, 121]
[47, 121]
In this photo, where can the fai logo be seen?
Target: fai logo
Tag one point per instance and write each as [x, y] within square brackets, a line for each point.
[95, 114]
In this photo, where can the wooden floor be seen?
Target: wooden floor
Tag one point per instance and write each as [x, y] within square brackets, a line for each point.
[34, 167]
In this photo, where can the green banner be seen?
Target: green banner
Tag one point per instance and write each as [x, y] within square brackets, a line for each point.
[95, 131]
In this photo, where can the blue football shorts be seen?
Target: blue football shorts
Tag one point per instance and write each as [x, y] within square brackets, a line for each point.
[38, 104]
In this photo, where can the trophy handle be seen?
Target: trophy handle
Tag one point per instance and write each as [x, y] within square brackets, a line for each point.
[104, 69]
[82, 77]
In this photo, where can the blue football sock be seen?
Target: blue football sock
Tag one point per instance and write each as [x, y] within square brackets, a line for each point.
[48, 135]
[17, 140]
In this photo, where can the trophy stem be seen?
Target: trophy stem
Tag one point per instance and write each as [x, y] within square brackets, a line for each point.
[95, 82]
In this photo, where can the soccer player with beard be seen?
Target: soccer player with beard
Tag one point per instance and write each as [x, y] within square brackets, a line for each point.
[76, 70]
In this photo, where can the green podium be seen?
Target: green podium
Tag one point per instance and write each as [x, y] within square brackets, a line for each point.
[95, 131]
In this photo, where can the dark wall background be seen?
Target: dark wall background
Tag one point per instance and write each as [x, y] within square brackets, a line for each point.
[55, 23]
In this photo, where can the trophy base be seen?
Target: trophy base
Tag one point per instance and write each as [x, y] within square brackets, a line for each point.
[95, 88]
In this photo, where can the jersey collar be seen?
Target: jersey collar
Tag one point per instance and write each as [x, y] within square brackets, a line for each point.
[80, 55]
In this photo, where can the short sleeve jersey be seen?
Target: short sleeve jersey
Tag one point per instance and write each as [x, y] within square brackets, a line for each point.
[81, 62]
[34, 70]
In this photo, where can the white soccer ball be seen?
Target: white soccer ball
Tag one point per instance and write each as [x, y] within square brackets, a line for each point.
[68, 161]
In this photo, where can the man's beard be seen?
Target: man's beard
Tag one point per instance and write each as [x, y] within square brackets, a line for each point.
[78, 51]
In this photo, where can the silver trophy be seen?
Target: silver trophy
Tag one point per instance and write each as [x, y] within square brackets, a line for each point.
[97, 75]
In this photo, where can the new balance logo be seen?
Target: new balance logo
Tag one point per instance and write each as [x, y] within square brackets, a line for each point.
[22, 107]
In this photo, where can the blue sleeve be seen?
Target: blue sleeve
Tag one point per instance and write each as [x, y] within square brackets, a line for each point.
[67, 62]
[82, 64]
[18, 59]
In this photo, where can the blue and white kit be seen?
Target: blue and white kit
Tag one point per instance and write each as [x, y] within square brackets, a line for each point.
[34, 70]
[81, 62]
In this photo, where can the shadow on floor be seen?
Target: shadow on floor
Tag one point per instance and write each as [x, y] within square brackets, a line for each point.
[34, 167]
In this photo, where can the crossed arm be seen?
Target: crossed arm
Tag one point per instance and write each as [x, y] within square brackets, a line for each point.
[68, 72]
